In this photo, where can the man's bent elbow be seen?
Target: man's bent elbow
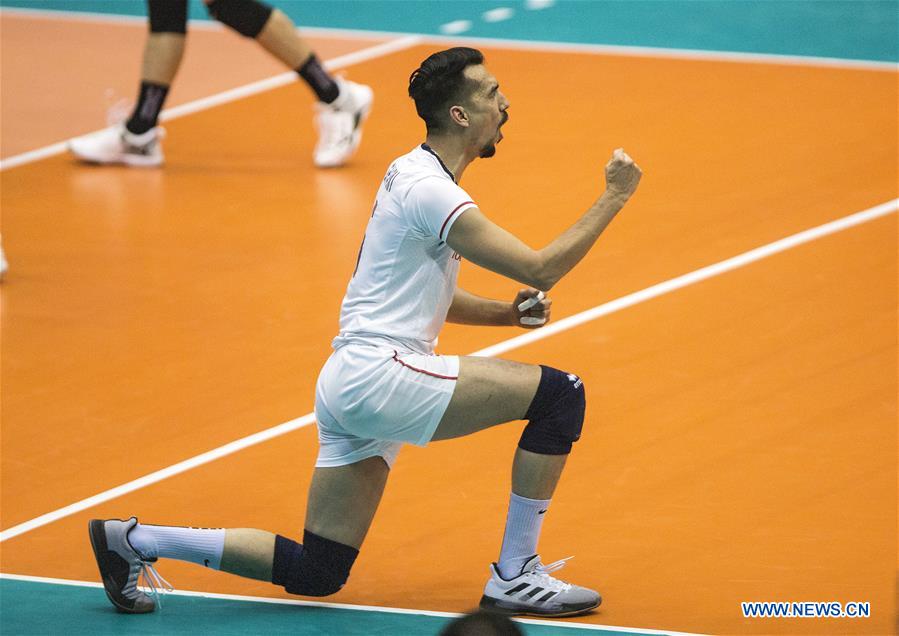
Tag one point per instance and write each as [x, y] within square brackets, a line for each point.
[543, 277]
[544, 283]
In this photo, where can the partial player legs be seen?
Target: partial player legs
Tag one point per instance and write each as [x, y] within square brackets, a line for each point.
[249, 553]
[490, 392]
[163, 53]
[279, 37]
[343, 500]
[341, 109]
[137, 142]
[342, 105]
[342, 504]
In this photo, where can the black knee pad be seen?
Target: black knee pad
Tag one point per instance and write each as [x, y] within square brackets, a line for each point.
[556, 415]
[167, 16]
[318, 567]
[247, 17]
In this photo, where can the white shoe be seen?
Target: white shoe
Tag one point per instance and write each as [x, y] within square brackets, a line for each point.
[535, 593]
[118, 146]
[340, 124]
[121, 566]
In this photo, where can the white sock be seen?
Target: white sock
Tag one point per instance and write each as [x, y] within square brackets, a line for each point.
[203, 546]
[522, 532]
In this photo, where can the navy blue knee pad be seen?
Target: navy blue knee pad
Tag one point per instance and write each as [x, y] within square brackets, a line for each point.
[318, 567]
[247, 17]
[556, 415]
[167, 16]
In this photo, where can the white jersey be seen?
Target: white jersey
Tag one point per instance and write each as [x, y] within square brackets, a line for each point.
[406, 273]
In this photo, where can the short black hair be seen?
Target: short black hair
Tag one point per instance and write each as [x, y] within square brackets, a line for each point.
[439, 81]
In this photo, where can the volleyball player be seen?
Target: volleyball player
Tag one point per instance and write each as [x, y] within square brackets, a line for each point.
[384, 385]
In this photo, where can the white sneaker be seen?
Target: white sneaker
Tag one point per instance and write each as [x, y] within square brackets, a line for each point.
[121, 566]
[535, 593]
[118, 146]
[340, 124]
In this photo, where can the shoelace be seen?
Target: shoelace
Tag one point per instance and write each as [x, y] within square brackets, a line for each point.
[155, 583]
[542, 571]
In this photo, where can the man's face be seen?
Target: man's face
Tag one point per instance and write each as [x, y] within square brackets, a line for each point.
[487, 109]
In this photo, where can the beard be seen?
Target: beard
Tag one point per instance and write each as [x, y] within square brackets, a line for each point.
[490, 149]
[487, 151]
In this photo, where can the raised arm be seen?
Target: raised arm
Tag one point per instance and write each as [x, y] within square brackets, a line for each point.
[484, 243]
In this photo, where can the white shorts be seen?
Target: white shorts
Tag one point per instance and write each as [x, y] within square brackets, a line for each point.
[371, 399]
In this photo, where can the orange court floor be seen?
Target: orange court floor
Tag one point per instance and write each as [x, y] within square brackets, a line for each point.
[740, 441]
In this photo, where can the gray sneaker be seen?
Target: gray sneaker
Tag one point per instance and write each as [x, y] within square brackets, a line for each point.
[535, 593]
[121, 566]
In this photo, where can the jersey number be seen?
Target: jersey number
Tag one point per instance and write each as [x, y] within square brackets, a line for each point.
[362, 244]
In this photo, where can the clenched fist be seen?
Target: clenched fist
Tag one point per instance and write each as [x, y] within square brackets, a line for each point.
[622, 174]
[531, 308]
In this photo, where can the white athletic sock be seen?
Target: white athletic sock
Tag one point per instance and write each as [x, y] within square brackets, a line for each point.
[522, 532]
[203, 546]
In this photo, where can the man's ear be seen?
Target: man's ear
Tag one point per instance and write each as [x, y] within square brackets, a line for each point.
[459, 116]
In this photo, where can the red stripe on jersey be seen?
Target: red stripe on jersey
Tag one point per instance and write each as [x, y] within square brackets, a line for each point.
[433, 375]
[458, 207]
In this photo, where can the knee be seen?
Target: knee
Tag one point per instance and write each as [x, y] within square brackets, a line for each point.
[556, 415]
[247, 17]
[167, 16]
[318, 567]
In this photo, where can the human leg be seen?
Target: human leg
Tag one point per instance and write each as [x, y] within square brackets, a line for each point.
[163, 52]
[276, 33]
[490, 392]
[137, 142]
[343, 500]
[342, 105]
[280, 38]
[342, 504]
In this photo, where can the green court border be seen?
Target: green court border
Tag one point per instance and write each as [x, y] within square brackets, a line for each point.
[845, 29]
[81, 607]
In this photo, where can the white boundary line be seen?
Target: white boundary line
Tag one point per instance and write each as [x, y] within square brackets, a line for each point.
[672, 53]
[405, 40]
[692, 277]
[540, 45]
[363, 608]
[519, 341]
[370, 53]
[357, 57]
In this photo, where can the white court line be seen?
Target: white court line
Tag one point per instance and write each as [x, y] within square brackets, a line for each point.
[370, 53]
[379, 50]
[693, 277]
[456, 26]
[538, 5]
[498, 15]
[410, 40]
[193, 23]
[533, 336]
[536, 45]
[668, 53]
[363, 608]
